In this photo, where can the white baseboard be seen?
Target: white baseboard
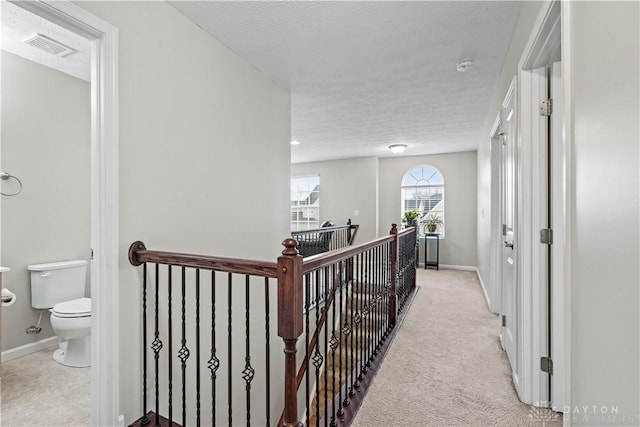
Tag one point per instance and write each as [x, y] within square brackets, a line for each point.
[33, 347]
[458, 267]
[484, 290]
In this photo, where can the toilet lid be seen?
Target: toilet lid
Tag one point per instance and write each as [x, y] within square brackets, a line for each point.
[80, 307]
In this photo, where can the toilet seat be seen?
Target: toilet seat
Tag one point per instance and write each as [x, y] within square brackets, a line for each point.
[80, 307]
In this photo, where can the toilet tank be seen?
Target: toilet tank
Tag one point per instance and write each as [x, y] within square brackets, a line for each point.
[56, 282]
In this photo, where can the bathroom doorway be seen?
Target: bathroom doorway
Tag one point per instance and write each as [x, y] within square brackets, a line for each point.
[78, 177]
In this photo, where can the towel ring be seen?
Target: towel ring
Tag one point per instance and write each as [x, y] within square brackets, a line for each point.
[4, 176]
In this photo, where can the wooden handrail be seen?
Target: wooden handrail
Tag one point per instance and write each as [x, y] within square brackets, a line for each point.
[325, 229]
[315, 262]
[138, 254]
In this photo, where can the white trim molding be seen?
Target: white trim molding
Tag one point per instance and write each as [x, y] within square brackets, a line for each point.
[569, 196]
[484, 289]
[458, 267]
[104, 198]
[532, 205]
[26, 349]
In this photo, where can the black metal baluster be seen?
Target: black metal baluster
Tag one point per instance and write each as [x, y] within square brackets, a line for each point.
[377, 297]
[365, 313]
[343, 346]
[213, 363]
[334, 345]
[248, 372]
[307, 281]
[357, 318]
[383, 287]
[229, 351]
[183, 354]
[317, 357]
[371, 329]
[352, 333]
[156, 345]
[326, 341]
[145, 418]
[387, 296]
[363, 324]
[170, 348]
[267, 350]
[198, 347]
[379, 301]
[373, 305]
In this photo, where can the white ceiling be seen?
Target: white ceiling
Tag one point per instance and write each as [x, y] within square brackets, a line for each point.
[364, 75]
[18, 24]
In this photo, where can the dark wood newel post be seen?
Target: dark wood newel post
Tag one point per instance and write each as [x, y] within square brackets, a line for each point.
[290, 320]
[394, 275]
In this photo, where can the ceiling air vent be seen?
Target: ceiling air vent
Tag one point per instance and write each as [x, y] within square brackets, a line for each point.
[48, 45]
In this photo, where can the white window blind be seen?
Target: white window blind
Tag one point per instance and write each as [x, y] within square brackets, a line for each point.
[305, 202]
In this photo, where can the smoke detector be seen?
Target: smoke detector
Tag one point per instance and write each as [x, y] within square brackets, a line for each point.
[49, 45]
[464, 64]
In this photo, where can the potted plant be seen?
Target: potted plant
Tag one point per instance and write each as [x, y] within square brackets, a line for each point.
[410, 219]
[432, 222]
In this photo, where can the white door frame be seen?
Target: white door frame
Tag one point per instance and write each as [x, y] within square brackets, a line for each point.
[558, 216]
[495, 260]
[104, 199]
[532, 276]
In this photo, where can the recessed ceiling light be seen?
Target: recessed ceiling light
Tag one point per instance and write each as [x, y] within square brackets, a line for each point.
[295, 142]
[464, 64]
[397, 148]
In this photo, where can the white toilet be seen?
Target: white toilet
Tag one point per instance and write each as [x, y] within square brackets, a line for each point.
[59, 286]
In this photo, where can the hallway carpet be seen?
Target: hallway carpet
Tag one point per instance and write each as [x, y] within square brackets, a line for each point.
[446, 366]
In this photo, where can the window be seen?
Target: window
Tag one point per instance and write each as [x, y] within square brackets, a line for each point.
[423, 191]
[305, 202]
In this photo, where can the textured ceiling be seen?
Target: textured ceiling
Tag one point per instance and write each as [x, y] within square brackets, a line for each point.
[364, 75]
[18, 24]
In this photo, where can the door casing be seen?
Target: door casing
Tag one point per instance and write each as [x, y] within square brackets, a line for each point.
[105, 351]
[533, 305]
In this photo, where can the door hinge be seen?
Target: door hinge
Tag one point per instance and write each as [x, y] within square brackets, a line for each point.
[546, 365]
[504, 320]
[91, 253]
[546, 107]
[504, 229]
[546, 236]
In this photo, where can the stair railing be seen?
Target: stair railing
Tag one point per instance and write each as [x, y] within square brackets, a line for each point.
[346, 333]
[343, 303]
[180, 290]
[319, 240]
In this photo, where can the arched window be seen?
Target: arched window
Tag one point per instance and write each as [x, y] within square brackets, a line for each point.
[423, 191]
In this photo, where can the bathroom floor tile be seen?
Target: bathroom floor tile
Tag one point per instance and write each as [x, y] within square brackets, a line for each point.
[31, 395]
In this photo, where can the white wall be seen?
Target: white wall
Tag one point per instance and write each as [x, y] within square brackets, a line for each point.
[602, 66]
[528, 13]
[204, 156]
[346, 186]
[459, 171]
[46, 143]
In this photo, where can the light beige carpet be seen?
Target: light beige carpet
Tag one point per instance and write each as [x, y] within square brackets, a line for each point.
[446, 366]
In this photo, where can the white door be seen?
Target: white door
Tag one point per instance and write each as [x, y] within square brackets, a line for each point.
[557, 223]
[508, 211]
